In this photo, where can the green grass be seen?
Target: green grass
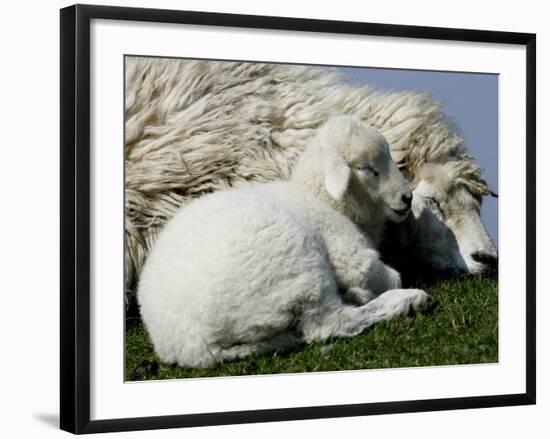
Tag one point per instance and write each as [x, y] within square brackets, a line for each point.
[463, 329]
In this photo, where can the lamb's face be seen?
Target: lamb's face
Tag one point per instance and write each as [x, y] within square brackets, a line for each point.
[449, 232]
[376, 178]
[374, 183]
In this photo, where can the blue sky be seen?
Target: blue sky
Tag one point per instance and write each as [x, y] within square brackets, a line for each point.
[470, 99]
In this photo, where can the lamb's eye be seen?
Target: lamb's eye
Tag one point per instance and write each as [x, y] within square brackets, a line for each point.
[367, 168]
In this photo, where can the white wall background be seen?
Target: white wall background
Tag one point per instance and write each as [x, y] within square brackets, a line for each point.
[29, 200]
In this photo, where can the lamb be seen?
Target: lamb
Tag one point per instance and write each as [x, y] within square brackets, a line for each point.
[195, 126]
[263, 268]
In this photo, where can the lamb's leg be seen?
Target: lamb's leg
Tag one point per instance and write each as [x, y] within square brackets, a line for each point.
[278, 343]
[366, 277]
[358, 296]
[379, 277]
[357, 265]
[340, 320]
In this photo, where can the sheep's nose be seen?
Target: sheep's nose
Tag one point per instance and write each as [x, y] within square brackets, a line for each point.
[489, 259]
[407, 199]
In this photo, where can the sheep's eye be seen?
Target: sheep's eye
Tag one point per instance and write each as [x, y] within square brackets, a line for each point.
[367, 168]
[434, 204]
[432, 201]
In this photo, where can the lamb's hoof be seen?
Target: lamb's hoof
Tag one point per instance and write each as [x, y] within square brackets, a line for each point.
[325, 351]
[422, 302]
[145, 369]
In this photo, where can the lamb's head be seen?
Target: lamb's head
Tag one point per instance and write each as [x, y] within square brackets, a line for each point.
[448, 232]
[348, 164]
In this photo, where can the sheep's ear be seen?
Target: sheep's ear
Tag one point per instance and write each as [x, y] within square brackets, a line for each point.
[337, 174]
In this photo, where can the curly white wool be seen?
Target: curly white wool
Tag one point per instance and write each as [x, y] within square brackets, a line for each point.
[257, 269]
[193, 127]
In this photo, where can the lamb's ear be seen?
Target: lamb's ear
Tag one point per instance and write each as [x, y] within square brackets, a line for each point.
[337, 173]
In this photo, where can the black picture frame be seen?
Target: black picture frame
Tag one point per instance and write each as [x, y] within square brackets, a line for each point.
[75, 217]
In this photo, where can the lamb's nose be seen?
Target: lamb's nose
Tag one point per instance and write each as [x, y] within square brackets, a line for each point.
[407, 199]
[489, 259]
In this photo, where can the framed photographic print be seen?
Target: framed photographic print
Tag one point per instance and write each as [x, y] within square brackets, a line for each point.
[273, 218]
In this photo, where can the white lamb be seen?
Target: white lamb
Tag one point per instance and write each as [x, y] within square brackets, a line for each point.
[258, 269]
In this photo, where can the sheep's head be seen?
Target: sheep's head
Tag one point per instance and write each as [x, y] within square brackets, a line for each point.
[449, 229]
[445, 232]
[348, 163]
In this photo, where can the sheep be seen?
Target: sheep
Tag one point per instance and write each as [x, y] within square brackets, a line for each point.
[258, 269]
[195, 126]
[444, 231]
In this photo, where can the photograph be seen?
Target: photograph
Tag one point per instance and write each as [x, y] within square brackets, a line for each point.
[295, 218]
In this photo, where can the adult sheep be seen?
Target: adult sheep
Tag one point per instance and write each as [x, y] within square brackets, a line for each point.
[193, 127]
[256, 269]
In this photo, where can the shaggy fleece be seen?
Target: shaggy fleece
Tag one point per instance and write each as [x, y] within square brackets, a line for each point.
[194, 127]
